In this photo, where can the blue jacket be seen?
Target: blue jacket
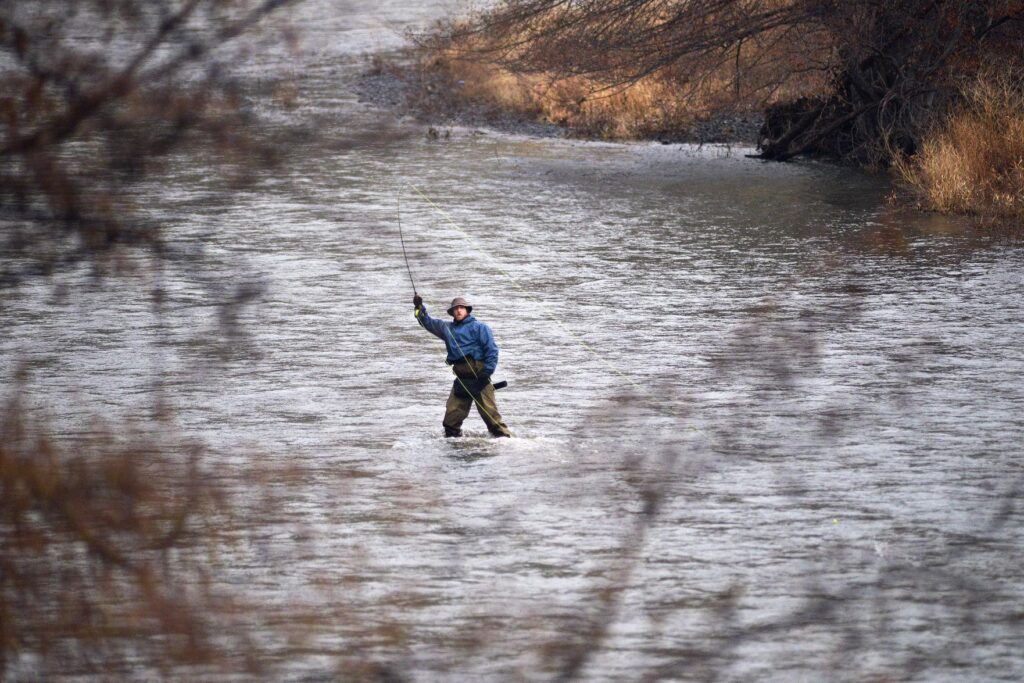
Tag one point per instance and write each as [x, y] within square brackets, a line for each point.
[467, 338]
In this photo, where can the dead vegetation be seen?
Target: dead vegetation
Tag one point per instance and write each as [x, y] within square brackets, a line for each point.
[599, 93]
[855, 81]
[973, 162]
[98, 97]
[109, 538]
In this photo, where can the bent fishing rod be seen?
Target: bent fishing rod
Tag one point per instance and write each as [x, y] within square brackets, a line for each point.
[398, 205]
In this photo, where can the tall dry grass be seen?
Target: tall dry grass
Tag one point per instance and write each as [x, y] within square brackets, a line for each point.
[973, 163]
[645, 109]
[669, 101]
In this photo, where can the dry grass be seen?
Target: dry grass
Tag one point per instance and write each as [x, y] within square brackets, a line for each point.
[646, 109]
[974, 162]
[668, 102]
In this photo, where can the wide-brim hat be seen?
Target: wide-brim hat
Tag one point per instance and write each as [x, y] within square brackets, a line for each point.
[459, 301]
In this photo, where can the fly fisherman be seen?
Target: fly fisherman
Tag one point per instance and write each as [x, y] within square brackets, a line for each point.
[473, 356]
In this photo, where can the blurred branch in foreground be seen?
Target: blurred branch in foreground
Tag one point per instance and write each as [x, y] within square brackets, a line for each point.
[828, 606]
[97, 95]
[111, 539]
[92, 570]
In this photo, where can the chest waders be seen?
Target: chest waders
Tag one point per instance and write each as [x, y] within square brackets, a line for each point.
[461, 399]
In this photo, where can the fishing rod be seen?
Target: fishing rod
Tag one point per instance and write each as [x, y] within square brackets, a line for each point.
[398, 206]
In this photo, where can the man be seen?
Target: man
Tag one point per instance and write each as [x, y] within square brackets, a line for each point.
[473, 356]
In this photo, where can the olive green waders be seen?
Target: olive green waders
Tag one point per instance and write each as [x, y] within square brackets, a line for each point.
[459, 402]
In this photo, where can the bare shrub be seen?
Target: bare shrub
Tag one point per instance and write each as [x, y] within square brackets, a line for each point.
[115, 553]
[603, 93]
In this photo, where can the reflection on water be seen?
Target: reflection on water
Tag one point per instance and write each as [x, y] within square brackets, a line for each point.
[785, 446]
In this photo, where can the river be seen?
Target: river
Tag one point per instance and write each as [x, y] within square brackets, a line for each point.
[766, 426]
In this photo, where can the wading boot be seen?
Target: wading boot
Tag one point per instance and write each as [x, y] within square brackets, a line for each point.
[449, 432]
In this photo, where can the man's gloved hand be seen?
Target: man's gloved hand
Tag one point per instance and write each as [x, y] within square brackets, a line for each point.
[417, 301]
[479, 383]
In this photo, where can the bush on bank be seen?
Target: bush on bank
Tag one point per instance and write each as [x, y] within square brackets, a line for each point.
[973, 161]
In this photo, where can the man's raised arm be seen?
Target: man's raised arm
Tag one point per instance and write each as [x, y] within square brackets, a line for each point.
[432, 325]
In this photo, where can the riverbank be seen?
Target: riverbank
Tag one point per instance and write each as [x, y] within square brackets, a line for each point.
[432, 92]
[396, 83]
[804, 86]
[973, 163]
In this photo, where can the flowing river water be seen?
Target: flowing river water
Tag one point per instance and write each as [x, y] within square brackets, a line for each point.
[766, 426]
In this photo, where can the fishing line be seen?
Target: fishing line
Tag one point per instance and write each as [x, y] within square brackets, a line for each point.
[401, 237]
[579, 340]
